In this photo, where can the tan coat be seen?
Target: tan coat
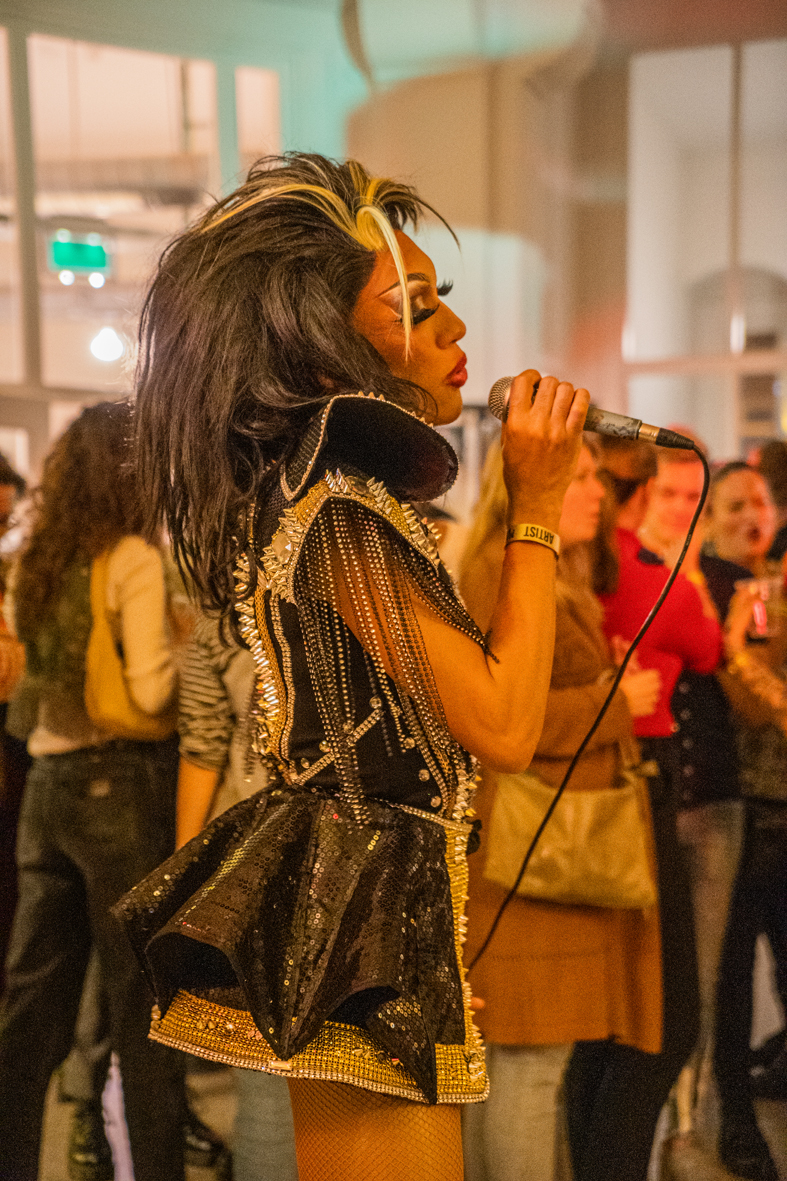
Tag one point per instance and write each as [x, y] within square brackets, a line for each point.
[553, 973]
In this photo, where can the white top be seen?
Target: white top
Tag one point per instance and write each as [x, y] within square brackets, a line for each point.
[137, 609]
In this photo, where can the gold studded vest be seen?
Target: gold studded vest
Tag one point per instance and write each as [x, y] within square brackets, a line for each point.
[345, 700]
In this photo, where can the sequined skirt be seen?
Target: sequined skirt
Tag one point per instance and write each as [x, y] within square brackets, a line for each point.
[293, 939]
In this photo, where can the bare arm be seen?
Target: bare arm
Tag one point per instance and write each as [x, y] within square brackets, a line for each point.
[495, 705]
[196, 789]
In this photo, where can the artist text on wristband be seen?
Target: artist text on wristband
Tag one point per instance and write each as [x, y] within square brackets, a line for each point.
[535, 533]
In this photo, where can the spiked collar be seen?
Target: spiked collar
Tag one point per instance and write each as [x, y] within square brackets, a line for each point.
[379, 438]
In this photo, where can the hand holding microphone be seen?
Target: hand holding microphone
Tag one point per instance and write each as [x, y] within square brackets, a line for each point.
[541, 440]
[605, 422]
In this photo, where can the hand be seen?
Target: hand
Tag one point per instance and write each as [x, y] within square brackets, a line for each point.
[642, 691]
[619, 647]
[541, 441]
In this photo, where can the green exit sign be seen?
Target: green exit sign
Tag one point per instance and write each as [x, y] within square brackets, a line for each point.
[77, 256]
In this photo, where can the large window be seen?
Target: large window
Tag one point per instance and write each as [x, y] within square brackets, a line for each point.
[706, 331]
[105, 154]
[10, 334]
[257, 104]
[125, 153]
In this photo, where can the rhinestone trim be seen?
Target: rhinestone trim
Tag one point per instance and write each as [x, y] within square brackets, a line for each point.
[341, 1053]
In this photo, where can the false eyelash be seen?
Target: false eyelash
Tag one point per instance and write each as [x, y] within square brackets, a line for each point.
[425, 313]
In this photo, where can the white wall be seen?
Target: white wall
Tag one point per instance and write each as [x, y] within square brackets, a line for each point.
[764, 206]
[704, 214]
[763, 227]
[656, 313]
[679, 218]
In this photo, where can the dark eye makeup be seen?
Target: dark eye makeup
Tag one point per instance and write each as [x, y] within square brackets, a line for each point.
[424, 313]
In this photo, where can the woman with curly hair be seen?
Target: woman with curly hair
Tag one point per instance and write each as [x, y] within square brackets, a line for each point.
[98, 808]
[296, 356]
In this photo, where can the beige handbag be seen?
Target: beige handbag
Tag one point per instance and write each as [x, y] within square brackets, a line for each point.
[594, 851]
[108, 702]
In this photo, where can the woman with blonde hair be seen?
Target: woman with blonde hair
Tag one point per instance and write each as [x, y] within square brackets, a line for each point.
[555, 974]
[296, 355]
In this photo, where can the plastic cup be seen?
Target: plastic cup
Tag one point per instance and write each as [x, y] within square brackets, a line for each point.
[766, 613]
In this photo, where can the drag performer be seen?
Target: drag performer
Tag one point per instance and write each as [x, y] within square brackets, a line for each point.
[296, 355]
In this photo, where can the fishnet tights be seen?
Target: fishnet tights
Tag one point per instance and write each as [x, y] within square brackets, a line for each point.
[345, 1133]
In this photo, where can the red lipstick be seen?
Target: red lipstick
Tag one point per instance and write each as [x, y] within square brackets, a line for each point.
[458, 375]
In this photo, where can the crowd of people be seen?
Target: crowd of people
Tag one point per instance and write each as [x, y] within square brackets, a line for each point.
[273, 791]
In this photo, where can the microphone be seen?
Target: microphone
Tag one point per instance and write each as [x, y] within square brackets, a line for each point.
[604, 422]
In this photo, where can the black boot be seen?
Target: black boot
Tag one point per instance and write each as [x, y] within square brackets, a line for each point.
[204, 1148]
[89, 1154]
[770, 1082]
[743, 1148]
[764, 1055]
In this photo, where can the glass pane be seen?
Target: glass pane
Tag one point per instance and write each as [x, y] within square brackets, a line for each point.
[707, 404]
[763, 227]
[10, 322]
[259, 124]
[15, 447]
[762, 412]
[679, 191]
[126, 150]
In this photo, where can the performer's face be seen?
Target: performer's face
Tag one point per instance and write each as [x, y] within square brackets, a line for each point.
[435, 360]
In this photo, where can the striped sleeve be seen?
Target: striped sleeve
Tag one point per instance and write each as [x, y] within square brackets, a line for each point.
[206, 718]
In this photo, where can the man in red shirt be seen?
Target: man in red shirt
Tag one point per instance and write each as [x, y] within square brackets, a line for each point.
[686, 632]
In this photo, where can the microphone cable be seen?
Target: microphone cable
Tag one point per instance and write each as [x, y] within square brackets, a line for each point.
[599, 716]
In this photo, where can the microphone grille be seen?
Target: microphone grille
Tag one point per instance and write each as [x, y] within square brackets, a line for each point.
[498, 397]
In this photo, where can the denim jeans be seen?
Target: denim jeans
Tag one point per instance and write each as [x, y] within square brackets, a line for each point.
[83, 1075]
[759, 906]
[614, 1093]
[710, 837]
[516, 1135]
[93, 823]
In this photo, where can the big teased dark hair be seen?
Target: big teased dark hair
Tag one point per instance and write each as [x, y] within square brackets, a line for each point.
[246, 330]
[86, 502]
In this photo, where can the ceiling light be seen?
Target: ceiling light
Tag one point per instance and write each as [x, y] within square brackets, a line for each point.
[96, 279]
[66, 278]
[106, 345]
